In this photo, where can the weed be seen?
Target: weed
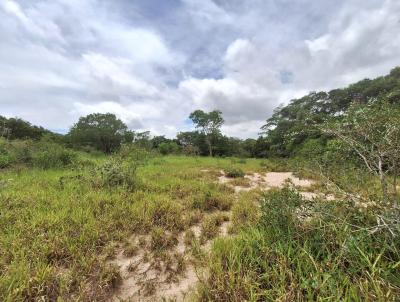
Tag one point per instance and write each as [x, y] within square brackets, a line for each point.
[245, 212]
[234, 172]
[212, 200]
[283, 258]
[211, 225]
[130, 250]
[160, 240]
[189, 238]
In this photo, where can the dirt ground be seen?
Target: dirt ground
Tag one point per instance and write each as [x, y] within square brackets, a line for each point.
[146, 277]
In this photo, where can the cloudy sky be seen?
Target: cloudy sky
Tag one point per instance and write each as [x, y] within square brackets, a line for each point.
[152, 62]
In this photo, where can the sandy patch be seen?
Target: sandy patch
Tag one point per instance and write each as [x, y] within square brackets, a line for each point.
[147, 279]
[266, 181]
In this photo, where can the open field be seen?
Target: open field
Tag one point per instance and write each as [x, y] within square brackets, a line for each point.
[70, 234]
[58, 228]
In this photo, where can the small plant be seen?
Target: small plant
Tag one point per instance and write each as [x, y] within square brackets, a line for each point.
[211, 225]
[116, 172]
[131, 250]
[212, 200]
[160, 240]
[234, 172]
[189, 238]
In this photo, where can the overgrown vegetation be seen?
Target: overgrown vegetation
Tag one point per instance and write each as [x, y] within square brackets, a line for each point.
[338, 255]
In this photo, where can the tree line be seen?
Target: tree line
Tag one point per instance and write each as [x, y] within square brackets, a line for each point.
[292, 130]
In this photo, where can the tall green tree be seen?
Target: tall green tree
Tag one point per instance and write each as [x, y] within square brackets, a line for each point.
[102, 131]
[209, 124]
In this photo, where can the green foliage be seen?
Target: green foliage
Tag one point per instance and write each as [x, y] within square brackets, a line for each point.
[372, 132]
[209, 124]
[16, 128]
[114, 173]
[168, 148]
[53, 156]
[102, 131]
[41, 154]
[297, 123]
[283, 258]
[234, 172]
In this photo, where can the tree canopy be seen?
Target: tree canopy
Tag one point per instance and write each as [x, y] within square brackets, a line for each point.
[102, 131]
[209, 124]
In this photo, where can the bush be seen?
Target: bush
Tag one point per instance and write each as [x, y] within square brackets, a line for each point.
[116, 172]
[212, 200]
[332, 257]
[5, 160]
[234, 172]
[168, 148]
[53, 156]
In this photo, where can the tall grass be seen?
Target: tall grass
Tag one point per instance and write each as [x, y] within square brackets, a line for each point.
[333, 257]
[59, 225]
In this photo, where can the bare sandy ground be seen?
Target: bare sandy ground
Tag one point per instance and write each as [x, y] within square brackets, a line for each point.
[148, 279]
[144, 279]
[271, 180]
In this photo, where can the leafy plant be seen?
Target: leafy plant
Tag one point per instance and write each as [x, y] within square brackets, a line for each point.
[234, 172]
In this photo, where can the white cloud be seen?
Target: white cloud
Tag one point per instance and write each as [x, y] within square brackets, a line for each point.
[61, 59]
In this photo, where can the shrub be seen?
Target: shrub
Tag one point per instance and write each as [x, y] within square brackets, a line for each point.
[115, 172]
[53, 156]
[5, 160]
[333, 257]
[234, 172]
[212, 200]
[168, 148]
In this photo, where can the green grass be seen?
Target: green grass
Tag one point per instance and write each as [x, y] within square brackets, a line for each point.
[60, 225]
[285, 259]
[57, 224]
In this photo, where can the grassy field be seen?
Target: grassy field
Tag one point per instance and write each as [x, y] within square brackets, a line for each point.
[62, 227]
[56, 223]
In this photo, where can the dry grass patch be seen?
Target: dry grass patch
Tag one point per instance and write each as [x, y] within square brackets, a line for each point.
[211, 225]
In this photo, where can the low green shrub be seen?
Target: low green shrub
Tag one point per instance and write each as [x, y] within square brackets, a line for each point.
[234, 172]
[333, 257]
[212, 200]
[53, 156]
[5, 160]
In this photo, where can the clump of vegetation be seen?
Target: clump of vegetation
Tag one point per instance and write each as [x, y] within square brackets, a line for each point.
[210, 227]
[234, 172]
[212, 200]
[240, 182]
[165, 213]
[53, 156]
[160, 240]
[245, 212]
[42, 154]
[316, 260]
[114, 173]
[190, 238]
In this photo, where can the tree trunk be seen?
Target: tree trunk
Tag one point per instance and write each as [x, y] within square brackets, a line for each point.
[209, 146]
